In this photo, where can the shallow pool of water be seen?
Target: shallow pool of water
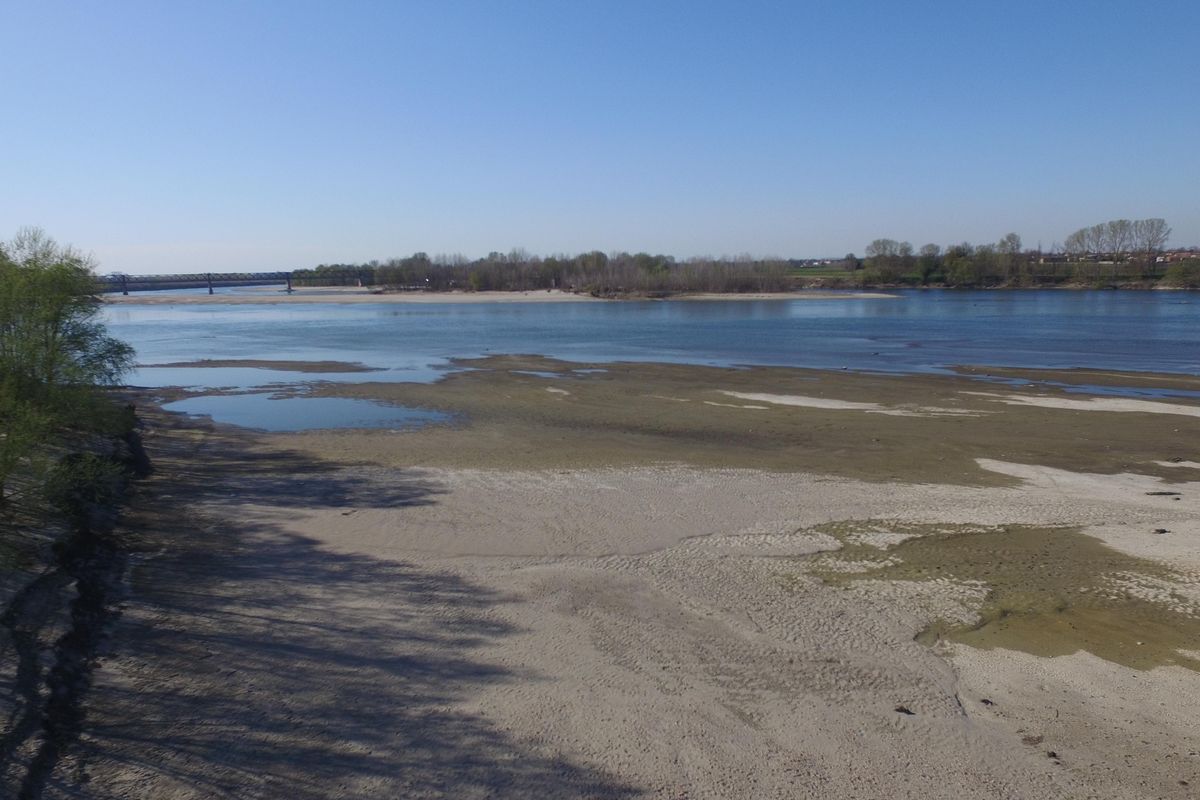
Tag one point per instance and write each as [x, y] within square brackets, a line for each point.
[270, 412]
[150, 376]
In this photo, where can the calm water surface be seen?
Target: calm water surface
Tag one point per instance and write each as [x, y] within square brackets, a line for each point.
[918, 331]
[262, 411]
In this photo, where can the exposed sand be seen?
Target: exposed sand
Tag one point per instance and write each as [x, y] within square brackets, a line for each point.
[848, 405]
[1118, 404]
[612, 585]
[313, 631]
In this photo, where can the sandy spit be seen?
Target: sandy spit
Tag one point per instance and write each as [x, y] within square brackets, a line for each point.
[1118, 404]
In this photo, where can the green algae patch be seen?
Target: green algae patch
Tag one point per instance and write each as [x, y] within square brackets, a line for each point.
[1049, 591]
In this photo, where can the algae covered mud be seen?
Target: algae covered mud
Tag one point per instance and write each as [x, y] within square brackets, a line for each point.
[1049, 591]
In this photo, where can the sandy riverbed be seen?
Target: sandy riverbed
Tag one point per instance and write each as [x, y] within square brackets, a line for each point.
[621, 590]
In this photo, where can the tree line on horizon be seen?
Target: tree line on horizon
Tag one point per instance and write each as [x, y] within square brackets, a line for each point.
[1114, 252]
[1118, 251]
[593, 272]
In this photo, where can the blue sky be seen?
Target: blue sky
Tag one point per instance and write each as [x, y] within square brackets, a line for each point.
[175, 136]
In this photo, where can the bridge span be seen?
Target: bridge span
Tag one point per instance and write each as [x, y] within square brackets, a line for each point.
[125, 284]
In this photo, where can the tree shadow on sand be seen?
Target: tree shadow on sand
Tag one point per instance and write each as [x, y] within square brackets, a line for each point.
[252, 662]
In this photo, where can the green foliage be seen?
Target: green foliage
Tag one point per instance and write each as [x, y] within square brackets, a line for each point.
[1184, 274]
[81, 480]
[54, 353]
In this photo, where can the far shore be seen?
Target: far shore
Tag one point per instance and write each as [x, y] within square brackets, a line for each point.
[256, 295]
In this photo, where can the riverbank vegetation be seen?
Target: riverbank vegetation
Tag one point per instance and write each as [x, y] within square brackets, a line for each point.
[593, 273]
[1116, 253]
[62, 437]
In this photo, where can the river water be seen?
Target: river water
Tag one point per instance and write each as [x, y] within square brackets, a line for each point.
[914, 332]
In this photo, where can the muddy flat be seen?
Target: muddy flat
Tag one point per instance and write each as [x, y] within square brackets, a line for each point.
[661, 582]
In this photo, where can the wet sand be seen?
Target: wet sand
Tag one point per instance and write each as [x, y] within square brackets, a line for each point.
[640, 585]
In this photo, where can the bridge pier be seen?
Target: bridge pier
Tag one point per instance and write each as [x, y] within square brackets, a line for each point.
[289, 283]
[210, 288]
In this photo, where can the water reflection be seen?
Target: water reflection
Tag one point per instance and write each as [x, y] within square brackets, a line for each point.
[272, 413]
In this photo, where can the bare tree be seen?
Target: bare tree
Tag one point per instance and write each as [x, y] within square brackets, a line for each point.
[1118, 235]
[1150, 235]
[1076, 243]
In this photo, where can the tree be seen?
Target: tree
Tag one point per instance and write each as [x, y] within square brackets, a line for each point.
[928, 261]
[1076, 243]
[960, 265]
[54, 351]
[1149, 236]
[883, 248]
[1120, 238]
[890, 259]
[1008, 252]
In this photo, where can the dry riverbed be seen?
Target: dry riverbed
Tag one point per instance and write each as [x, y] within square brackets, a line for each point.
[664, 582]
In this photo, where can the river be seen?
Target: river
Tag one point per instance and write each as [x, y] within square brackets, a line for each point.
[917, 331]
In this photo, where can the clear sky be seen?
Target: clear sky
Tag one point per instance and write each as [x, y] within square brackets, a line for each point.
[177, 136]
